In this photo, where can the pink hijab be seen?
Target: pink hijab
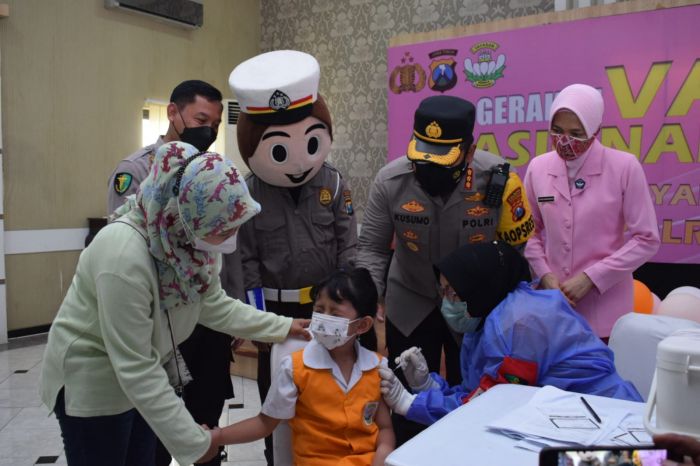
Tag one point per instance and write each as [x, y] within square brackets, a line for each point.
[584, 101]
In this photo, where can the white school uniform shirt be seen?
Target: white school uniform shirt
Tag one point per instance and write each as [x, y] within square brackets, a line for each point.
[282, 398]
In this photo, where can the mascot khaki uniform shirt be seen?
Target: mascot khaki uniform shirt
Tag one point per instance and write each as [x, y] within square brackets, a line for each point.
[427, 230]
[295, 245]
[129, 174]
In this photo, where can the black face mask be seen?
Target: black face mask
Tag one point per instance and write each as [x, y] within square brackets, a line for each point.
[437, 180]
[200, 137]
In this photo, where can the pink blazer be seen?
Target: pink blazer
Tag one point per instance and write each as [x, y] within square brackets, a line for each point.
[604, 226]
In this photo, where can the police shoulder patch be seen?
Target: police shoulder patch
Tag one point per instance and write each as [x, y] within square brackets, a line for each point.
[347, 201]
[516, 224]
[122, 182]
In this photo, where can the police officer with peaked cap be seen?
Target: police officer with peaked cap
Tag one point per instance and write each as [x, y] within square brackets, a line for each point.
[443, 194]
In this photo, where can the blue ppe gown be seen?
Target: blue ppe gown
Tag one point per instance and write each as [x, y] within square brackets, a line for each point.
[532, 326]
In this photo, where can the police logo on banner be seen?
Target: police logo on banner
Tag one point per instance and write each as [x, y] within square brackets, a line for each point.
[484, 70]
[411, 76]
[442, 70]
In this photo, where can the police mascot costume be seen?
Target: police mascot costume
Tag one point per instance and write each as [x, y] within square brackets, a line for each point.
[306, 229]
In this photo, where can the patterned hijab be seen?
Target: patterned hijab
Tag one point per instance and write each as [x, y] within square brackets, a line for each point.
[208, 194]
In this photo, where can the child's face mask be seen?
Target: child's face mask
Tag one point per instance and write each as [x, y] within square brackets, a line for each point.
[330, 331]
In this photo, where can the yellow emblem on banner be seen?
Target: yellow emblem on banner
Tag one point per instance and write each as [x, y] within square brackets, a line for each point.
[412, 246]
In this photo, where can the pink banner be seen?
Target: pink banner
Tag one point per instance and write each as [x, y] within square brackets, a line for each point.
[647, 66]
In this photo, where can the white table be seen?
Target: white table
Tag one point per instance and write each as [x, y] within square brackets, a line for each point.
[461, 438]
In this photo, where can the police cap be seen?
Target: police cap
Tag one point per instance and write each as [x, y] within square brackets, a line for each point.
[441, 124]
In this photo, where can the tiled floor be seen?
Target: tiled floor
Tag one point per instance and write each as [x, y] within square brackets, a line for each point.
[29, 434]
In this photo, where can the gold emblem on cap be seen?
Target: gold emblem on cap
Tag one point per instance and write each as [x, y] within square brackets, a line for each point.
[433, 130]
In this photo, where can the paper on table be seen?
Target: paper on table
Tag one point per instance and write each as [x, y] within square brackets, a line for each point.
[554, 416]
[630, 433]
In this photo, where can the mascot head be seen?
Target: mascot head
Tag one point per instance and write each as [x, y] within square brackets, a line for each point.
[284, 129]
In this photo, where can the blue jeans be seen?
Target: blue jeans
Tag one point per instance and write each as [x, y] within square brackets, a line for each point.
[118, 440]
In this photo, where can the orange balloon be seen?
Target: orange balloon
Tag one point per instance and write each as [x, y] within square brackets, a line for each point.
[643, 298]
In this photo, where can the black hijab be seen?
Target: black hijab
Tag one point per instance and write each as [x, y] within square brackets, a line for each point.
[483, 274]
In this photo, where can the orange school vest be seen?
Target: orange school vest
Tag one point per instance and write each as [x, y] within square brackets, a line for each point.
[331, 427]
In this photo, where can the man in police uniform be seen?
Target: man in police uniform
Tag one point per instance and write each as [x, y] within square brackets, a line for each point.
[306, 229]
[194, 112]
[429, 203]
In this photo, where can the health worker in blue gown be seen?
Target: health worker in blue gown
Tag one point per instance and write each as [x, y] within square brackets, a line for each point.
[513, 333]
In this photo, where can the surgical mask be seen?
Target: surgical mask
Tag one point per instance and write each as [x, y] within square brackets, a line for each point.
[226, 247]
[569, 147]
[457, 316]
[200, 137]
[330, 331]
[437, 180]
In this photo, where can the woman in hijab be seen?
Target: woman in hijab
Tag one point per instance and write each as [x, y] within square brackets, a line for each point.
[594, 218]
[513, 333]
[139, 289]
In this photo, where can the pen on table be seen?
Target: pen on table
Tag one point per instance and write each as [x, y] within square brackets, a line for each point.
[590, 410]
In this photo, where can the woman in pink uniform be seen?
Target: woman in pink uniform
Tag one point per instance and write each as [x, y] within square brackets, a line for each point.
[594, 218]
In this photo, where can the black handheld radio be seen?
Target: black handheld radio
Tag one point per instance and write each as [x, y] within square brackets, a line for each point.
[497, 185]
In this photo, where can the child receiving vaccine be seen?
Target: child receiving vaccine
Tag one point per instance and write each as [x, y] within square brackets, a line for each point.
[330, 391]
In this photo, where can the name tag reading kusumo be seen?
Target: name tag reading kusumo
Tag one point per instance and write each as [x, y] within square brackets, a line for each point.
[545, 199]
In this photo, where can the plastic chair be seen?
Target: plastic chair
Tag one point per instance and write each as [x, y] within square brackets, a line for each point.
[634, 339]
[282, 435]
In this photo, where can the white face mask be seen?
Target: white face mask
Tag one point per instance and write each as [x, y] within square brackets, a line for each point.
[330, 331]
[227, 247]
